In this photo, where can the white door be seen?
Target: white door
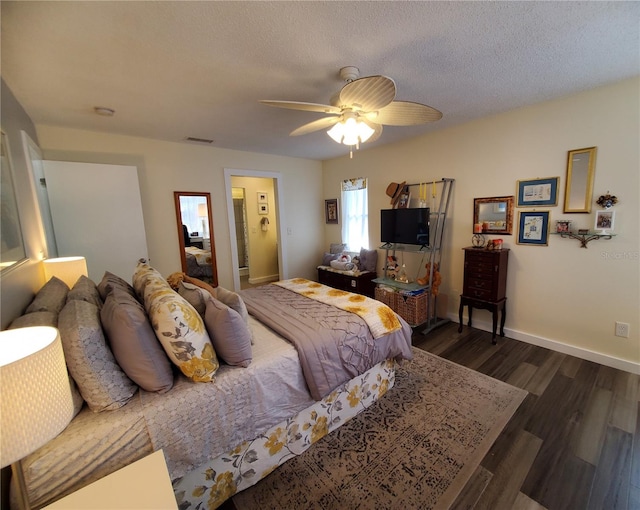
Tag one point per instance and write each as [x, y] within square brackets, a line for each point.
[97, 213]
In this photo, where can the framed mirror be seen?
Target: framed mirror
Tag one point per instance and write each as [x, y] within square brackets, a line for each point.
[195, 235]
[581, 169]
[13, 250]
[495, 214]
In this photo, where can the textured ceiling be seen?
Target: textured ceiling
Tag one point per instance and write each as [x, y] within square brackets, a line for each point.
[178, 69]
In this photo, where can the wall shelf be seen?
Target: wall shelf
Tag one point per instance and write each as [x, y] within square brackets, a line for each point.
[585, 237]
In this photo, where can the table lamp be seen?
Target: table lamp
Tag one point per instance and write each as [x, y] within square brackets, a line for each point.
[203, 213]
[67, 269]
[35, 395]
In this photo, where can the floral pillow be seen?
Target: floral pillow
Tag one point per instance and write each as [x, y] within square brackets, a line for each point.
[178, 326]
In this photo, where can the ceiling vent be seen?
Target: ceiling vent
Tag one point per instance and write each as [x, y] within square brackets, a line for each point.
[198, 140]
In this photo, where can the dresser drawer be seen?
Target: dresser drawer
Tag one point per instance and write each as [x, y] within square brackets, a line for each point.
[479, 283]
[481, 266]
[482, 294]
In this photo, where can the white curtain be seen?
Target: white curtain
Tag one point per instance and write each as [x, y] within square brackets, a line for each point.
[355, 214]
[192, 214]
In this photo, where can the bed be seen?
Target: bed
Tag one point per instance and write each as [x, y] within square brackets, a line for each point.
[198, 263]
[250, 417]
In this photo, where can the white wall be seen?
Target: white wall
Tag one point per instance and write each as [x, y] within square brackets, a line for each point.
[561, 295]
[165, 167]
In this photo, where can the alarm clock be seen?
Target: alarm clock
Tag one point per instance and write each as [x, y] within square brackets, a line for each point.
[477, 240]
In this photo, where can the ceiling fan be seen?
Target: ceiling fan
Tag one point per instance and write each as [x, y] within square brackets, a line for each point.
[360, 109]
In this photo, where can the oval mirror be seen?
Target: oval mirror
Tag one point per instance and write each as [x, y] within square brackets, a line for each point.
[581, 167]
[195, 235]
[495, 214]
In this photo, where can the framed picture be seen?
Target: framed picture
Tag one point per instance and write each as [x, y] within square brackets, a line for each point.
[405, 197]
[533, 228]
[263, 198]
[563, 226]
[263, 209]
[331, 210]
[605, 219]
[537, 192]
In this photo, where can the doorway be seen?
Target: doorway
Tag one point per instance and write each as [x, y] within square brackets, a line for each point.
[254, 210]
[242, 235]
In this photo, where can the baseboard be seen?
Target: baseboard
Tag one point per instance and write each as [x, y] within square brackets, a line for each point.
[244, 271]
[554, 345]
[264, 279]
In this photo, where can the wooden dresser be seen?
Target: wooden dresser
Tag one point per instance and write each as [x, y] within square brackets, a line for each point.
[485, 284]
[360, 284]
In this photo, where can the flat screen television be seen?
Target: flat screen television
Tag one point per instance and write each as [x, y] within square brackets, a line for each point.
[405, 226]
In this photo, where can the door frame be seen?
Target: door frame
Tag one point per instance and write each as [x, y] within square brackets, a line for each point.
[283, 268]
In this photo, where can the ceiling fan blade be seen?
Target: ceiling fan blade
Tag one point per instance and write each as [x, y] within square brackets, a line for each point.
[316, 125]
[308, 107]
[406, 113]
[369, 93]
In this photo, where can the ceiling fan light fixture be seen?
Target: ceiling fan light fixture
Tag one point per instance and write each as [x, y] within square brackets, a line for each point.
[350, 131]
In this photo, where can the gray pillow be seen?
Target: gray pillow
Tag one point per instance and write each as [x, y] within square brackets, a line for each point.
[134, 343]
[85, 290]
[102, 383]
[111, 281]
[192, 294]
[35, 319]
[337, 247]
[368, 260]
[229, 333]
[234, 301]
[50, 298]
[328, 257]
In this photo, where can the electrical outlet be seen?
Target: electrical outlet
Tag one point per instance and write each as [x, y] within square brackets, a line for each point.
[622, 329]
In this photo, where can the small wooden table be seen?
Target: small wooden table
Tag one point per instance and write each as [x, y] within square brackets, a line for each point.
[493, 306]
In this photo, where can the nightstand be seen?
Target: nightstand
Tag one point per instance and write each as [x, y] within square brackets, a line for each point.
[143, 485]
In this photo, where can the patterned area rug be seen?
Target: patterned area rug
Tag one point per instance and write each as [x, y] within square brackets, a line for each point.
[415, 448]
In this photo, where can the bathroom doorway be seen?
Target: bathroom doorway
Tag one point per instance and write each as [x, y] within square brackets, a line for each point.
[254, 206]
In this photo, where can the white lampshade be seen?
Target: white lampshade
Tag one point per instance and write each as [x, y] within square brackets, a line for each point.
[67, 269]
[351, 131]
[35, 396]
[202, 210]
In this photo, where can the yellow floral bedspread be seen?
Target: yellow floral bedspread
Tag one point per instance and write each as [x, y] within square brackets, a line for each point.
[203, 257]
[381, 319]
[212, 484]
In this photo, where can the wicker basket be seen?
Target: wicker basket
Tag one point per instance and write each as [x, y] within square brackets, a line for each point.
[388, 297]
[413, 309]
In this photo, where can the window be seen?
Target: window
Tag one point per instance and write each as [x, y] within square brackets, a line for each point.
[355, 214]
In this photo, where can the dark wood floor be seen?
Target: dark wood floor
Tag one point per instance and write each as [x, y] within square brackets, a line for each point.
[574, 443]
